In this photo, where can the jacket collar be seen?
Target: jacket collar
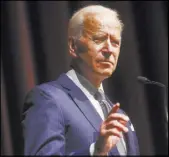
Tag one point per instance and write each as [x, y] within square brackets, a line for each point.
[81, 101]
[87, 109]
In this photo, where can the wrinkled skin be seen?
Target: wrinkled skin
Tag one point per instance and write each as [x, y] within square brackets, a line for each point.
[98, 51]
[98, 47]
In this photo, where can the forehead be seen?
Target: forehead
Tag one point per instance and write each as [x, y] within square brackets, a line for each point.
[95, 23]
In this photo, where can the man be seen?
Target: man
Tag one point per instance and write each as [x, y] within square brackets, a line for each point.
[72, 115]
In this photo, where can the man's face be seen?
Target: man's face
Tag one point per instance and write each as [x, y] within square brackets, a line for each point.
[99, 45]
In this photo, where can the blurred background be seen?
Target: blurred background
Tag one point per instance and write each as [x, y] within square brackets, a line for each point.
[34, 50]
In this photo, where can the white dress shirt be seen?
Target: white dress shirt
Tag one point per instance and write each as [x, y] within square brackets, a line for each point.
[89, 90]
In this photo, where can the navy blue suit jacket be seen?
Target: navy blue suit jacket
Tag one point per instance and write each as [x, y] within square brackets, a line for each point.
[58, 119]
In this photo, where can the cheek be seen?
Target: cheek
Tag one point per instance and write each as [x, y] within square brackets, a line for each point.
[91, 58]
[92, 54]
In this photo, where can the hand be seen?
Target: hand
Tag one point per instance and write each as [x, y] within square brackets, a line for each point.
[111, 131]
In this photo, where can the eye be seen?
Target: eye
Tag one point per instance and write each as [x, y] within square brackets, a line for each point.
[99, 40]
[115, 42]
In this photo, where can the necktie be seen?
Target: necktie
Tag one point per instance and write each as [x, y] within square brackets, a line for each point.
[100, 96]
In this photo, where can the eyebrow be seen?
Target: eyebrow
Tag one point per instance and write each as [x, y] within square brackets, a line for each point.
[100, 33]
[103, 34]
[115, 38]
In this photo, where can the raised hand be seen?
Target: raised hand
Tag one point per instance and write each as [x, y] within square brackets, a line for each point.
[111, 131]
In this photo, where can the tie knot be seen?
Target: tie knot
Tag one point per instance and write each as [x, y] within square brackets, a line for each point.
[99, 95]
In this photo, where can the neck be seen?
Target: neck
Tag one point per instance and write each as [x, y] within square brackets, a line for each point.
[91, 76]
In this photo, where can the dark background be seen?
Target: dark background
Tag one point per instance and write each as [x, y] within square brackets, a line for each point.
[34, 50]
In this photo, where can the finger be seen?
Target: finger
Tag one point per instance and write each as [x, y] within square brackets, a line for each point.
[114, 108]
[113, 132]
[107, 123]
[123, 122]
[116, 124]
[118, 116]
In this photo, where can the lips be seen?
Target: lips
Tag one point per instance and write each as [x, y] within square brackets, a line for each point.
[109, 62]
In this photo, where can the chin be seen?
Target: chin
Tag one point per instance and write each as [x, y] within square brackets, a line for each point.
[106, 73]
[104, 70]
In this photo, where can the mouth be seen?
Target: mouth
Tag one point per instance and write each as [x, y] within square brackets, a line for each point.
[106, 62]
[105, 65]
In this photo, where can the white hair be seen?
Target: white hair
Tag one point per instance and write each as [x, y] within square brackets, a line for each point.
[76, 22]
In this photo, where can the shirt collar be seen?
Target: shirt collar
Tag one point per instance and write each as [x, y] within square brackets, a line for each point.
[85, 83]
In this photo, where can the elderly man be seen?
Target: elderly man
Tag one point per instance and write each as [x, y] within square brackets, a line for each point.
[72, 115]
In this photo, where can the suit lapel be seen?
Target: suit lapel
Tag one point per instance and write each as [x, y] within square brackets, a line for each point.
[129, 137]
[91, 114]
[81, 101]
[131, 141]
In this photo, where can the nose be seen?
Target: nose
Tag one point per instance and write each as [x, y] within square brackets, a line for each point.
[108, 49]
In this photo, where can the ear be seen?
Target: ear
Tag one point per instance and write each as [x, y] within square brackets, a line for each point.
[72, 47]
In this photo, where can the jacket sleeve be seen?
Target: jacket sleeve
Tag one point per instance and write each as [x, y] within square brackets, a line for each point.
[44, 127]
